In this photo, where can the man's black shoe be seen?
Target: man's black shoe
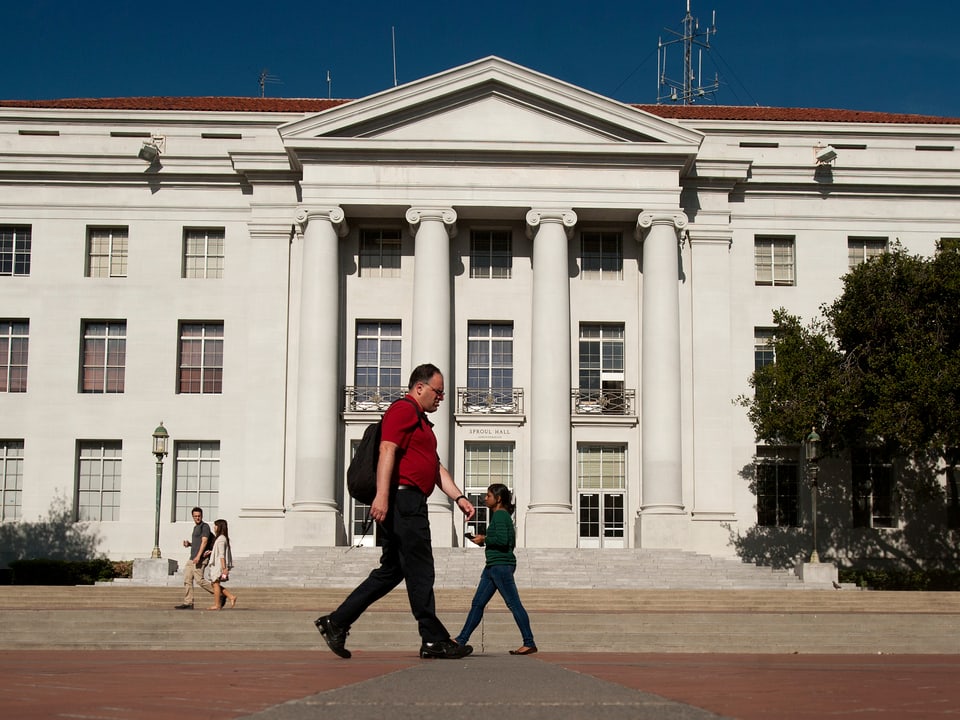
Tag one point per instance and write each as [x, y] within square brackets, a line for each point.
[184, 606]
[446, 650]
[333, 634]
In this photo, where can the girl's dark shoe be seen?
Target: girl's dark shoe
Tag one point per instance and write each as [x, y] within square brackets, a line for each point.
[524, 650]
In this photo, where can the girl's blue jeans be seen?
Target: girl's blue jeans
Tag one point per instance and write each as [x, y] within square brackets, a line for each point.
[497, 578]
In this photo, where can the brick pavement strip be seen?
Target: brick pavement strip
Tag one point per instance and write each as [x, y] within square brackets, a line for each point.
[157, 685]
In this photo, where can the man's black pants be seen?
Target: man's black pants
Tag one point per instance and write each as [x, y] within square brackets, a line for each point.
[407, 555]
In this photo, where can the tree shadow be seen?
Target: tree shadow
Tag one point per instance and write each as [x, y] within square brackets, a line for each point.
[921, 540]
[56, 537]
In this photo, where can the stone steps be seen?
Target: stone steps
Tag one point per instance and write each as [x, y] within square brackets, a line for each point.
[536, 568]
[608, 620]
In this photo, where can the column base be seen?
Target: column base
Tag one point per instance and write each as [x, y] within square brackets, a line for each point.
[550, 529]
[662, 530]
[442, 522]
[154, 569]
[318, 526]
[818, 573]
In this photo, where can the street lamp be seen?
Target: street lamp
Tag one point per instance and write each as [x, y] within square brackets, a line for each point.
[812, 450]
[160, 438]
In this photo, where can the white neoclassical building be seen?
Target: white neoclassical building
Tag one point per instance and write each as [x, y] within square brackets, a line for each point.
[596, 280]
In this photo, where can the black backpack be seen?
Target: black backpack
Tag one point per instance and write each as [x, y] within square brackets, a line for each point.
[362, 471]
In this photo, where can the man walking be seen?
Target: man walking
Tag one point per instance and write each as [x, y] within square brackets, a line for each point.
[200, 544]
[408, 469]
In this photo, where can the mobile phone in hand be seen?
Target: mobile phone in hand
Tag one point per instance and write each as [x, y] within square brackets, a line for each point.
[468, 536]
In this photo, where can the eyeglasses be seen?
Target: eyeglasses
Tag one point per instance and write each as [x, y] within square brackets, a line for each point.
[438, 392]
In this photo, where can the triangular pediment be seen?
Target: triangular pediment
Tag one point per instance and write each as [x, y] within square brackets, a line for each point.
[490, 103]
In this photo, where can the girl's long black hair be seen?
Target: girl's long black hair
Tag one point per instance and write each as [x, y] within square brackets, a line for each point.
[503, 495]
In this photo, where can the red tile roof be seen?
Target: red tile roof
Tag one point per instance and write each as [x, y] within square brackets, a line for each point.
[201, 104]
[311, 105]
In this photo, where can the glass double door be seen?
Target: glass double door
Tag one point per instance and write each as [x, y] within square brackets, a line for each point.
[601, 520]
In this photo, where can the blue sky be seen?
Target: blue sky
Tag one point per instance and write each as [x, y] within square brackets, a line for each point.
[851, 54]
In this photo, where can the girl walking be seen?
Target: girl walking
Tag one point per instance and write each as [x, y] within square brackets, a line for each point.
[497, 576]
[221, 561]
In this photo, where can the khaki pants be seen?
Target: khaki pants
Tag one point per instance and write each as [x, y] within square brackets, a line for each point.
[193, 574]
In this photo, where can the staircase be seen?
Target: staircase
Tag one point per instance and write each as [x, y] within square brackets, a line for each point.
[341, 567]
[118, 616]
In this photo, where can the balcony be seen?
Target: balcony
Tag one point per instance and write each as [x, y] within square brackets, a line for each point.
[495, 401]
[603, 406]
[370, 399]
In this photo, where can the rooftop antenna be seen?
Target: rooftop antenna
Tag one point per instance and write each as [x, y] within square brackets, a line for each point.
[264, 78]
[329, 86]
[691, 88]
[393, 35]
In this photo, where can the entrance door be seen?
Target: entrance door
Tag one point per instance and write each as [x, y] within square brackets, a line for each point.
[601, 520]
[358, 519]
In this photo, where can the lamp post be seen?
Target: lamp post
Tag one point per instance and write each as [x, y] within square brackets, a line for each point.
[812, 451]
[160, 438]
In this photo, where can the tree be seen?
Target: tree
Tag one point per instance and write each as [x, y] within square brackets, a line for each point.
[881, 368]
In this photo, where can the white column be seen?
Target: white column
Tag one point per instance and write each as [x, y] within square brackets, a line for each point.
[661, 480]
[550, 522]
[433, 228]
[314, 517]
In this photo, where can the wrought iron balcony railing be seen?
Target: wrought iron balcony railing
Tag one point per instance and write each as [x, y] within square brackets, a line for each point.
[371, 399]
[502, 401]
[603, 402]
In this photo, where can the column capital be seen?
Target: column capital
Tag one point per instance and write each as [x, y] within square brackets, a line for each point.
[334, 215]
[536, 218]
[647, 220]
[447, 216]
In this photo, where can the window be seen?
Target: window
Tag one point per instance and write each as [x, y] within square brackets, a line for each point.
[773, 258]
[861, 249]
[203, 252]
[948, 244]
[601, 386]
[778, 487]
[763, 347]
[201, 358]
[14, 344]
[15, 250]
[491, 254]
[601, 486]
[11, 479]
[489, 364]
[107, 252]
[485, 464]
[601, 256]
[104, 356]
[380, 253]
[873, 496]
[377, 374]
[98, 480]
[197, 479]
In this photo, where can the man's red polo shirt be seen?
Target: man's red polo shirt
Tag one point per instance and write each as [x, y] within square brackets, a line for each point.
[416, 445]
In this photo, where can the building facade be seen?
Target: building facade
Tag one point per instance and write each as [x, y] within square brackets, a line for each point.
[595, 279]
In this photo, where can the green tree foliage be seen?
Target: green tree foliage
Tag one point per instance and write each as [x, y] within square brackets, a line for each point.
[880, 368]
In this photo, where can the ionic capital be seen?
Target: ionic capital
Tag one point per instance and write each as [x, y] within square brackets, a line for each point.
[333, 215]
[416, 216]
[565, 218]
[647, 220]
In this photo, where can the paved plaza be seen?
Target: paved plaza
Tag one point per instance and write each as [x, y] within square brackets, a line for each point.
[272, 685]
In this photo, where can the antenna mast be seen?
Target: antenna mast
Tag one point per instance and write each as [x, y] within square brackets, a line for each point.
[690, 89]
[264, 79]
